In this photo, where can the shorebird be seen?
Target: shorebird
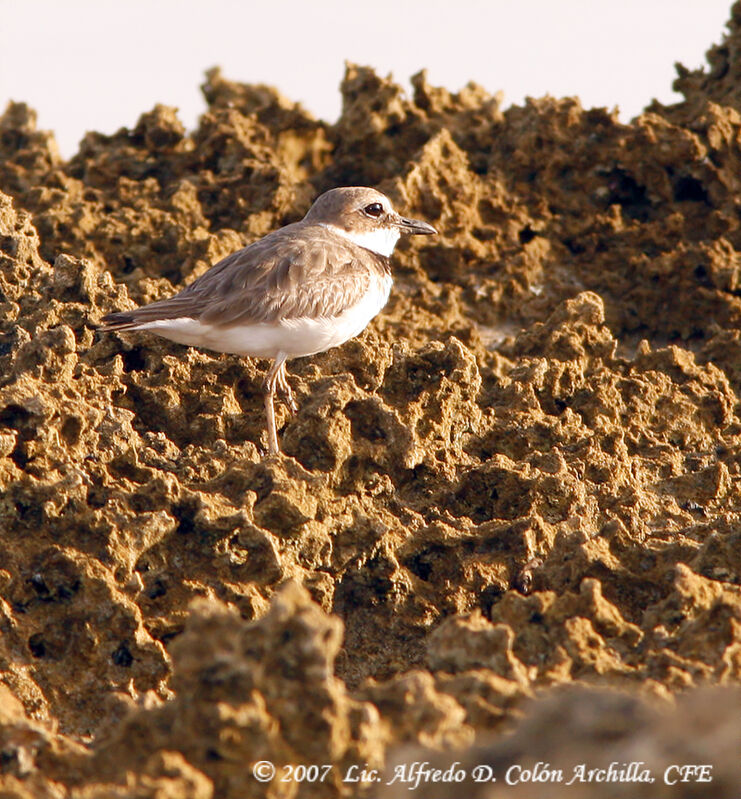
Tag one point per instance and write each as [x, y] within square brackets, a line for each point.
[300, 290]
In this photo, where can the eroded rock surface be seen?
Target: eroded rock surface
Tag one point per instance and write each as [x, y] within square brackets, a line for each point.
[523, 475]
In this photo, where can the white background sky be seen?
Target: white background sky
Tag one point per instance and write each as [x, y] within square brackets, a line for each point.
[99, 64]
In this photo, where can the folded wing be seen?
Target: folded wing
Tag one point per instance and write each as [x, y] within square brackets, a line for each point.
[295, 272]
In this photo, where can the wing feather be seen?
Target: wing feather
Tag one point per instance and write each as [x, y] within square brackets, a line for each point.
[297, 271]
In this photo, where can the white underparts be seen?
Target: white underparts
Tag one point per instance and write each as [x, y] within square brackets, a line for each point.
[381, 241]
[290, 337]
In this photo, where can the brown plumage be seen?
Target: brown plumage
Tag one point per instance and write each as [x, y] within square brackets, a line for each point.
[299, 290]
[293, 272]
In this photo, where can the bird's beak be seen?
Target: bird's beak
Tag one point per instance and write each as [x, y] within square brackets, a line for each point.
[414, 226]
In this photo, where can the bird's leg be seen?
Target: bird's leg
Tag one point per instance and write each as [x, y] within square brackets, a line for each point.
[268, 388]
[284, 388]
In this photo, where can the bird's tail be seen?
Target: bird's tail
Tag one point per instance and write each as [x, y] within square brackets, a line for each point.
[120, 320]
[183, 304]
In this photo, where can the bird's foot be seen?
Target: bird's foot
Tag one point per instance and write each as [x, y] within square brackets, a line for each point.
[286, 395]
[291, 403]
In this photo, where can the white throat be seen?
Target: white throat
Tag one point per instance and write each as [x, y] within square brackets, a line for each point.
[381, 241]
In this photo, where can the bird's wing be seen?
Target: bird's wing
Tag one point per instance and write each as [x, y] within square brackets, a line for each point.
[297, 271]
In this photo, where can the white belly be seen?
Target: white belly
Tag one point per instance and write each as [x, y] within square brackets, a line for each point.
[290, 337]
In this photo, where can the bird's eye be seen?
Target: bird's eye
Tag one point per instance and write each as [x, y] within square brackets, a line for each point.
[374, 209]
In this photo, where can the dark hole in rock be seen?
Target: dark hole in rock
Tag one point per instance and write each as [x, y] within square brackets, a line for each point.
[14, 416]
[420, 566]
[157, 590]
[574, 247]
[37, 645]
[689, 189]
[625, 191]
[39, 586]
[134, 361]
[527, 234]
[129, 265]
[122, 656]
[489, 597]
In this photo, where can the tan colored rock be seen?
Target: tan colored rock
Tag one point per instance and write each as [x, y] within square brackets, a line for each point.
[523, 475]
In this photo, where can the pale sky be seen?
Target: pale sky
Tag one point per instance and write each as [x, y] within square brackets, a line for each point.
[97, 65]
